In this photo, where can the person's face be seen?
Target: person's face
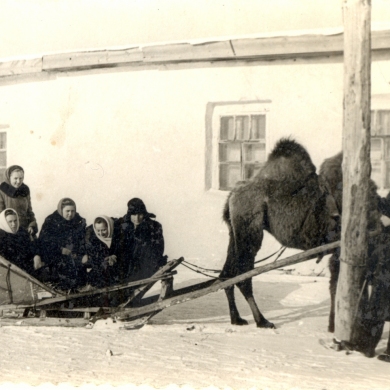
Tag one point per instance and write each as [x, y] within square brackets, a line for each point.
[16, 179]
[101, 229]
[137, 219]
[68, 212]
[12, 221]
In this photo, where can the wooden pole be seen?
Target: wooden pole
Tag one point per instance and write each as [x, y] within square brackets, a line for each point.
[202, 289]
[356, 163]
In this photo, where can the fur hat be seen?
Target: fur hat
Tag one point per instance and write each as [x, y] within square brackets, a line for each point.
[137, 206]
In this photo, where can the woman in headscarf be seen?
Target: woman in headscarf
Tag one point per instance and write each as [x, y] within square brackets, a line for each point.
[62, 245]
[139, 243]
[16, 195]
[16, 245]
[101, 264]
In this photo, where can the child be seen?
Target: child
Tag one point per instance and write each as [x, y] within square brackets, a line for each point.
[16, 195]
[15, 243]
[62, 245]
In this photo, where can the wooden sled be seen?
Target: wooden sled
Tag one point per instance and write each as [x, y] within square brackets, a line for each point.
[26, 301]
[126, 303]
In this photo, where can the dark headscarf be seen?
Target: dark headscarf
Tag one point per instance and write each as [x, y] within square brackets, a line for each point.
[9, 189]
[137, 206]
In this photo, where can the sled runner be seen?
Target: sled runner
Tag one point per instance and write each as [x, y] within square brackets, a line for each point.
[39, 304]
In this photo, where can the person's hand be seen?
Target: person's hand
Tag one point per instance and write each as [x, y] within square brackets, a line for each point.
[84, 259]
[66, 251]
[38, 262]
[111, 259]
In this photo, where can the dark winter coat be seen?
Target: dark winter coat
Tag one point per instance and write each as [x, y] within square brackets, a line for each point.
[140, 251]
[101, 274]
[18, 249]
[57, 233]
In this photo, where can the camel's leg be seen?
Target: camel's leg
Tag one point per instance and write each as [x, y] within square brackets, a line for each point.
[245, 218]
[235, 318]
[387, 352]
[247, 291]
[230, 270]
[334, 268]
[385, 356]
[248, 239]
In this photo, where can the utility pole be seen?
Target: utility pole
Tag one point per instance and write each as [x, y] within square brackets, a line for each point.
[356, 163]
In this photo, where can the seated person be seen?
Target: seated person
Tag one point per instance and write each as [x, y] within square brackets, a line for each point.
[101, 264]
[138, 243]
[62, 246]
[16, 245]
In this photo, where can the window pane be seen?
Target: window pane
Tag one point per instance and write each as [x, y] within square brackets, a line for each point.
[254, 152]
[242, 127]
[383, 122]
[251, 170]
[258, 127]
[387, 176]
[230, 152]
[3, 159]
[3, 140]
[376, 149]
[229, 175]
[376, 173]
[227, 129]
[386, 152]
[2, 172]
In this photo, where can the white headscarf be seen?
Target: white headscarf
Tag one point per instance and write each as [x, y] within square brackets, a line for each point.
[110, 227]
[4, 224]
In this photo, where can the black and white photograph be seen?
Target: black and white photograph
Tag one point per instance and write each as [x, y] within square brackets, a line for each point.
[195, 194]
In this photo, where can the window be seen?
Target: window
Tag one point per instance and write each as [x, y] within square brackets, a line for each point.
[241, 148]
[3, 154]
[236, 142]
[380, 148]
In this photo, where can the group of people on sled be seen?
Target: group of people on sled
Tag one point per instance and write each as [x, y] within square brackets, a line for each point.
[69, 255]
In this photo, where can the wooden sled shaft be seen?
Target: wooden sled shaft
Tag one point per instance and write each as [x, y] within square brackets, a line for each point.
[200, 290]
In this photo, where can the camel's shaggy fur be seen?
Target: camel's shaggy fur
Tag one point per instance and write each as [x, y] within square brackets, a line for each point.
[287, 199]
[302, 210]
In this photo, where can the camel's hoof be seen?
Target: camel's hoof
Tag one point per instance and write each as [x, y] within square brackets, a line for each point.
[331, 329]
[384, 357]
[267, 325]
[239, 321]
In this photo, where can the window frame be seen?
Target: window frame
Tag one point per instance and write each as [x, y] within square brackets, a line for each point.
[235, 109]
[383, 161]
[3, 168]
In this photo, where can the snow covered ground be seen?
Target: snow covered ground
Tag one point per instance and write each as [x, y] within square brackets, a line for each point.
[193, 346]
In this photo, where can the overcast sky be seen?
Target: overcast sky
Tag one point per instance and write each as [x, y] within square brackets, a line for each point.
[31, 27]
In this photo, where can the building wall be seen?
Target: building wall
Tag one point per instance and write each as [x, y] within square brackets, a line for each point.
[103, 137]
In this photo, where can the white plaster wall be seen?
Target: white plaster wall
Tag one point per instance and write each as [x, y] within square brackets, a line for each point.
[103, 138]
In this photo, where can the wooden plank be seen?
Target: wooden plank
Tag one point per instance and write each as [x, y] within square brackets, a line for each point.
[47, 321]
[188, 52]
[218, 285]
[22, 66]
[91, 59]
[285, 46]
[356, 164]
